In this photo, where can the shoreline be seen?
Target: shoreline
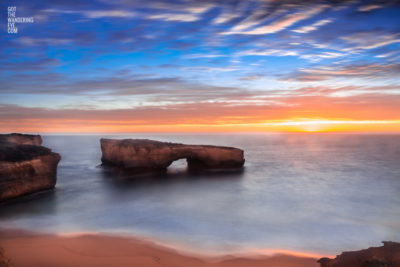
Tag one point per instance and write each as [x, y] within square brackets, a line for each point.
[25, 248]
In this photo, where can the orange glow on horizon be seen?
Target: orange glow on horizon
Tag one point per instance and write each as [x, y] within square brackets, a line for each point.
[293, 253]
[293, 125]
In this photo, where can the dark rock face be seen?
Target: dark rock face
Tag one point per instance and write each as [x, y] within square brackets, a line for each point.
[148, 155]
[4, 262]
[21, 139]
[387, 255]
[25, 168]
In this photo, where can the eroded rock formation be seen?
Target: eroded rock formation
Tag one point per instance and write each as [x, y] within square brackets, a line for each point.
[21, 139]
[387, 255]
[4, 261]
[148, 155]
[25, 166]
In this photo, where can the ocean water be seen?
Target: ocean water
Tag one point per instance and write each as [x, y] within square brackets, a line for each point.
[314, 193]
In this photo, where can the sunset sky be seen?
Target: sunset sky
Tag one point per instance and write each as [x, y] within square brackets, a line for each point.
[201, 66]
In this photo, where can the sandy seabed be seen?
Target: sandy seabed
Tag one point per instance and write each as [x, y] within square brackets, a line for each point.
[26, 249]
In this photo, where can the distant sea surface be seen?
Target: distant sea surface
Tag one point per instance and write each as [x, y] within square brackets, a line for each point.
[314, 193]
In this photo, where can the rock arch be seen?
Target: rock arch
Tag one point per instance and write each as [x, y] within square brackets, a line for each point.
[149, 155]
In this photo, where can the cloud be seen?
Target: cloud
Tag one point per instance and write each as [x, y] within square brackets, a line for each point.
[195, 56]
[267, 52]
[210, 69]
[312, 27]
[386, 55]
[322, 55]
[29, 41]
[28, 65]
[366, 107]
[252, 20]
[345, 91]
[366, 8]
[177, 70]
[180, 13]
[224, 18]
[122, 84]
[282, 23]
[194, 7]
[96, 14]
[370, 40]
[199, 8]
[374, 71]
[175, 17]
[250, 78]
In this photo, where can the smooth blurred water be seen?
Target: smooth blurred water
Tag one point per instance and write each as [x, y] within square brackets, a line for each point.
[316, 193]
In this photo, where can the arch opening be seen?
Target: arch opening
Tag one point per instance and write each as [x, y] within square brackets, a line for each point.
[178, 166]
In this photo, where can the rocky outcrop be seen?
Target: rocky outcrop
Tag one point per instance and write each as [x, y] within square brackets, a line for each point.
[21, 139]
[387, 255]
[25, 168]
[148, 155]
[4, 261]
